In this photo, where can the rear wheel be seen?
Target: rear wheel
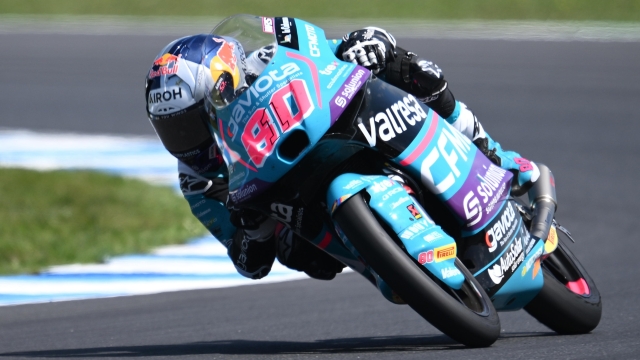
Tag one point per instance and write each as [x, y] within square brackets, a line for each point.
[466, 315]
[569, 302]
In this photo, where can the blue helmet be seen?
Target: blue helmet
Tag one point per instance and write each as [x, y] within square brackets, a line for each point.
[175, 90]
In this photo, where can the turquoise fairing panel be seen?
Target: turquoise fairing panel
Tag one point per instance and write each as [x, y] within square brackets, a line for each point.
[525, 283]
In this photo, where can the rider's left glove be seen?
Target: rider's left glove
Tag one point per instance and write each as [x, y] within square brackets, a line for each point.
[370, 47]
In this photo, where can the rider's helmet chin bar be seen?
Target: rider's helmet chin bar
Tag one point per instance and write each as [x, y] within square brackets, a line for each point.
[542, 198]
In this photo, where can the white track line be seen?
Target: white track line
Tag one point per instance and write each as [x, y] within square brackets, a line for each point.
[199, 264]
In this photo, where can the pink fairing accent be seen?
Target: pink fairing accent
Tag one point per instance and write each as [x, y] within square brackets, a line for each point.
[579, 287]
[424, 142]
[314, 73]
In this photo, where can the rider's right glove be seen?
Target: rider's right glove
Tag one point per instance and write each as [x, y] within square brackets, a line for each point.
[370, 47]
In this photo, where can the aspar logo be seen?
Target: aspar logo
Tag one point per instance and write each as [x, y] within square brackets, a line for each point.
[501, 230]
[451, 146]
[164, 96]
[329, 69]
[263, 84]
[387, 124]
[425, 257]
[313, 40]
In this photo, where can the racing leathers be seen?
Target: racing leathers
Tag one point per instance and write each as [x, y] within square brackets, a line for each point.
[254, 240]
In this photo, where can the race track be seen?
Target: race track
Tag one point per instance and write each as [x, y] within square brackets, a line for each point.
[570, 105]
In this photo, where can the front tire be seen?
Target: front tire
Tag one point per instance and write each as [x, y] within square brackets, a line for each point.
[466, 315]
[569, 302]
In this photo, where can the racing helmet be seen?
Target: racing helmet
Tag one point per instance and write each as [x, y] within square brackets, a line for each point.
[175, 92]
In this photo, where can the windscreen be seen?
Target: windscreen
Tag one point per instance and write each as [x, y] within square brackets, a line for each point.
[253, 32]
[250, 45]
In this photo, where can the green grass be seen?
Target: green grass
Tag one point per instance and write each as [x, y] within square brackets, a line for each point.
[61, 217]
[607, 10]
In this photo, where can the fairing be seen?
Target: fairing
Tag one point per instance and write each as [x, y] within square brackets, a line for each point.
[288, 108]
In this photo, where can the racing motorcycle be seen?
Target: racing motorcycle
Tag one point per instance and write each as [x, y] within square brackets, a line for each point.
[380, 182]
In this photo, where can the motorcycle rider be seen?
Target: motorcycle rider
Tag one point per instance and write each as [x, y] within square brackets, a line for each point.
[176, 109]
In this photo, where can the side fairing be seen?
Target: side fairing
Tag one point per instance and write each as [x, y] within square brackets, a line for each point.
[448, 163]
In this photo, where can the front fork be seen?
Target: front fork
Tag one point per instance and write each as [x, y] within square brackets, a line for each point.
[399, 212]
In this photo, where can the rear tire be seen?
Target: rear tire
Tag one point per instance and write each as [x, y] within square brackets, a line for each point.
[466, 315]
[559, 308]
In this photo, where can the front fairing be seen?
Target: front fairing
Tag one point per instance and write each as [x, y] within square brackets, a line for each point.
[300, 94]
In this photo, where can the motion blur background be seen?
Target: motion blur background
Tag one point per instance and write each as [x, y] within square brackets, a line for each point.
[556, 80]
[78, 66]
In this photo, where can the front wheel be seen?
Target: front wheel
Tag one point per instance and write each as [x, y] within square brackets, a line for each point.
[466, 315]
[569, 302]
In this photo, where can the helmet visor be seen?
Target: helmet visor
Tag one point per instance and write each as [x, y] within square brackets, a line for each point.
[184, 132]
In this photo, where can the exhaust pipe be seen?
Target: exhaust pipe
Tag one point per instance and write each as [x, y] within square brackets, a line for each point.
[542, 198]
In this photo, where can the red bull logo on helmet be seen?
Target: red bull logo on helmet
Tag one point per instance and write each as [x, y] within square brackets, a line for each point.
[167, 65]
[225, 60]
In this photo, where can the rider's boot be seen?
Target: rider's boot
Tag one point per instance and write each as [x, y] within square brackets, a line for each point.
[526, 172]
[299, 254]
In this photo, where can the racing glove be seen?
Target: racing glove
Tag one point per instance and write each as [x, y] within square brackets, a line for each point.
[370, 47]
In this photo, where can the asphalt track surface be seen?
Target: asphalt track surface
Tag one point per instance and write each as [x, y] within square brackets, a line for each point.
[570, 105]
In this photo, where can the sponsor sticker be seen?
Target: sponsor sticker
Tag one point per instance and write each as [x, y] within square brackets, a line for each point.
[431, 237]
[167, 65]
[286, 33]
[508, 263]
[414, 211]
[496, 274]
[425, 257]
[313, 40]
[415, 229]
[446, 252]
[450, 272]
[267, 25]
[393, 121]
[531, 262]
[502, 230]
[552, 241]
